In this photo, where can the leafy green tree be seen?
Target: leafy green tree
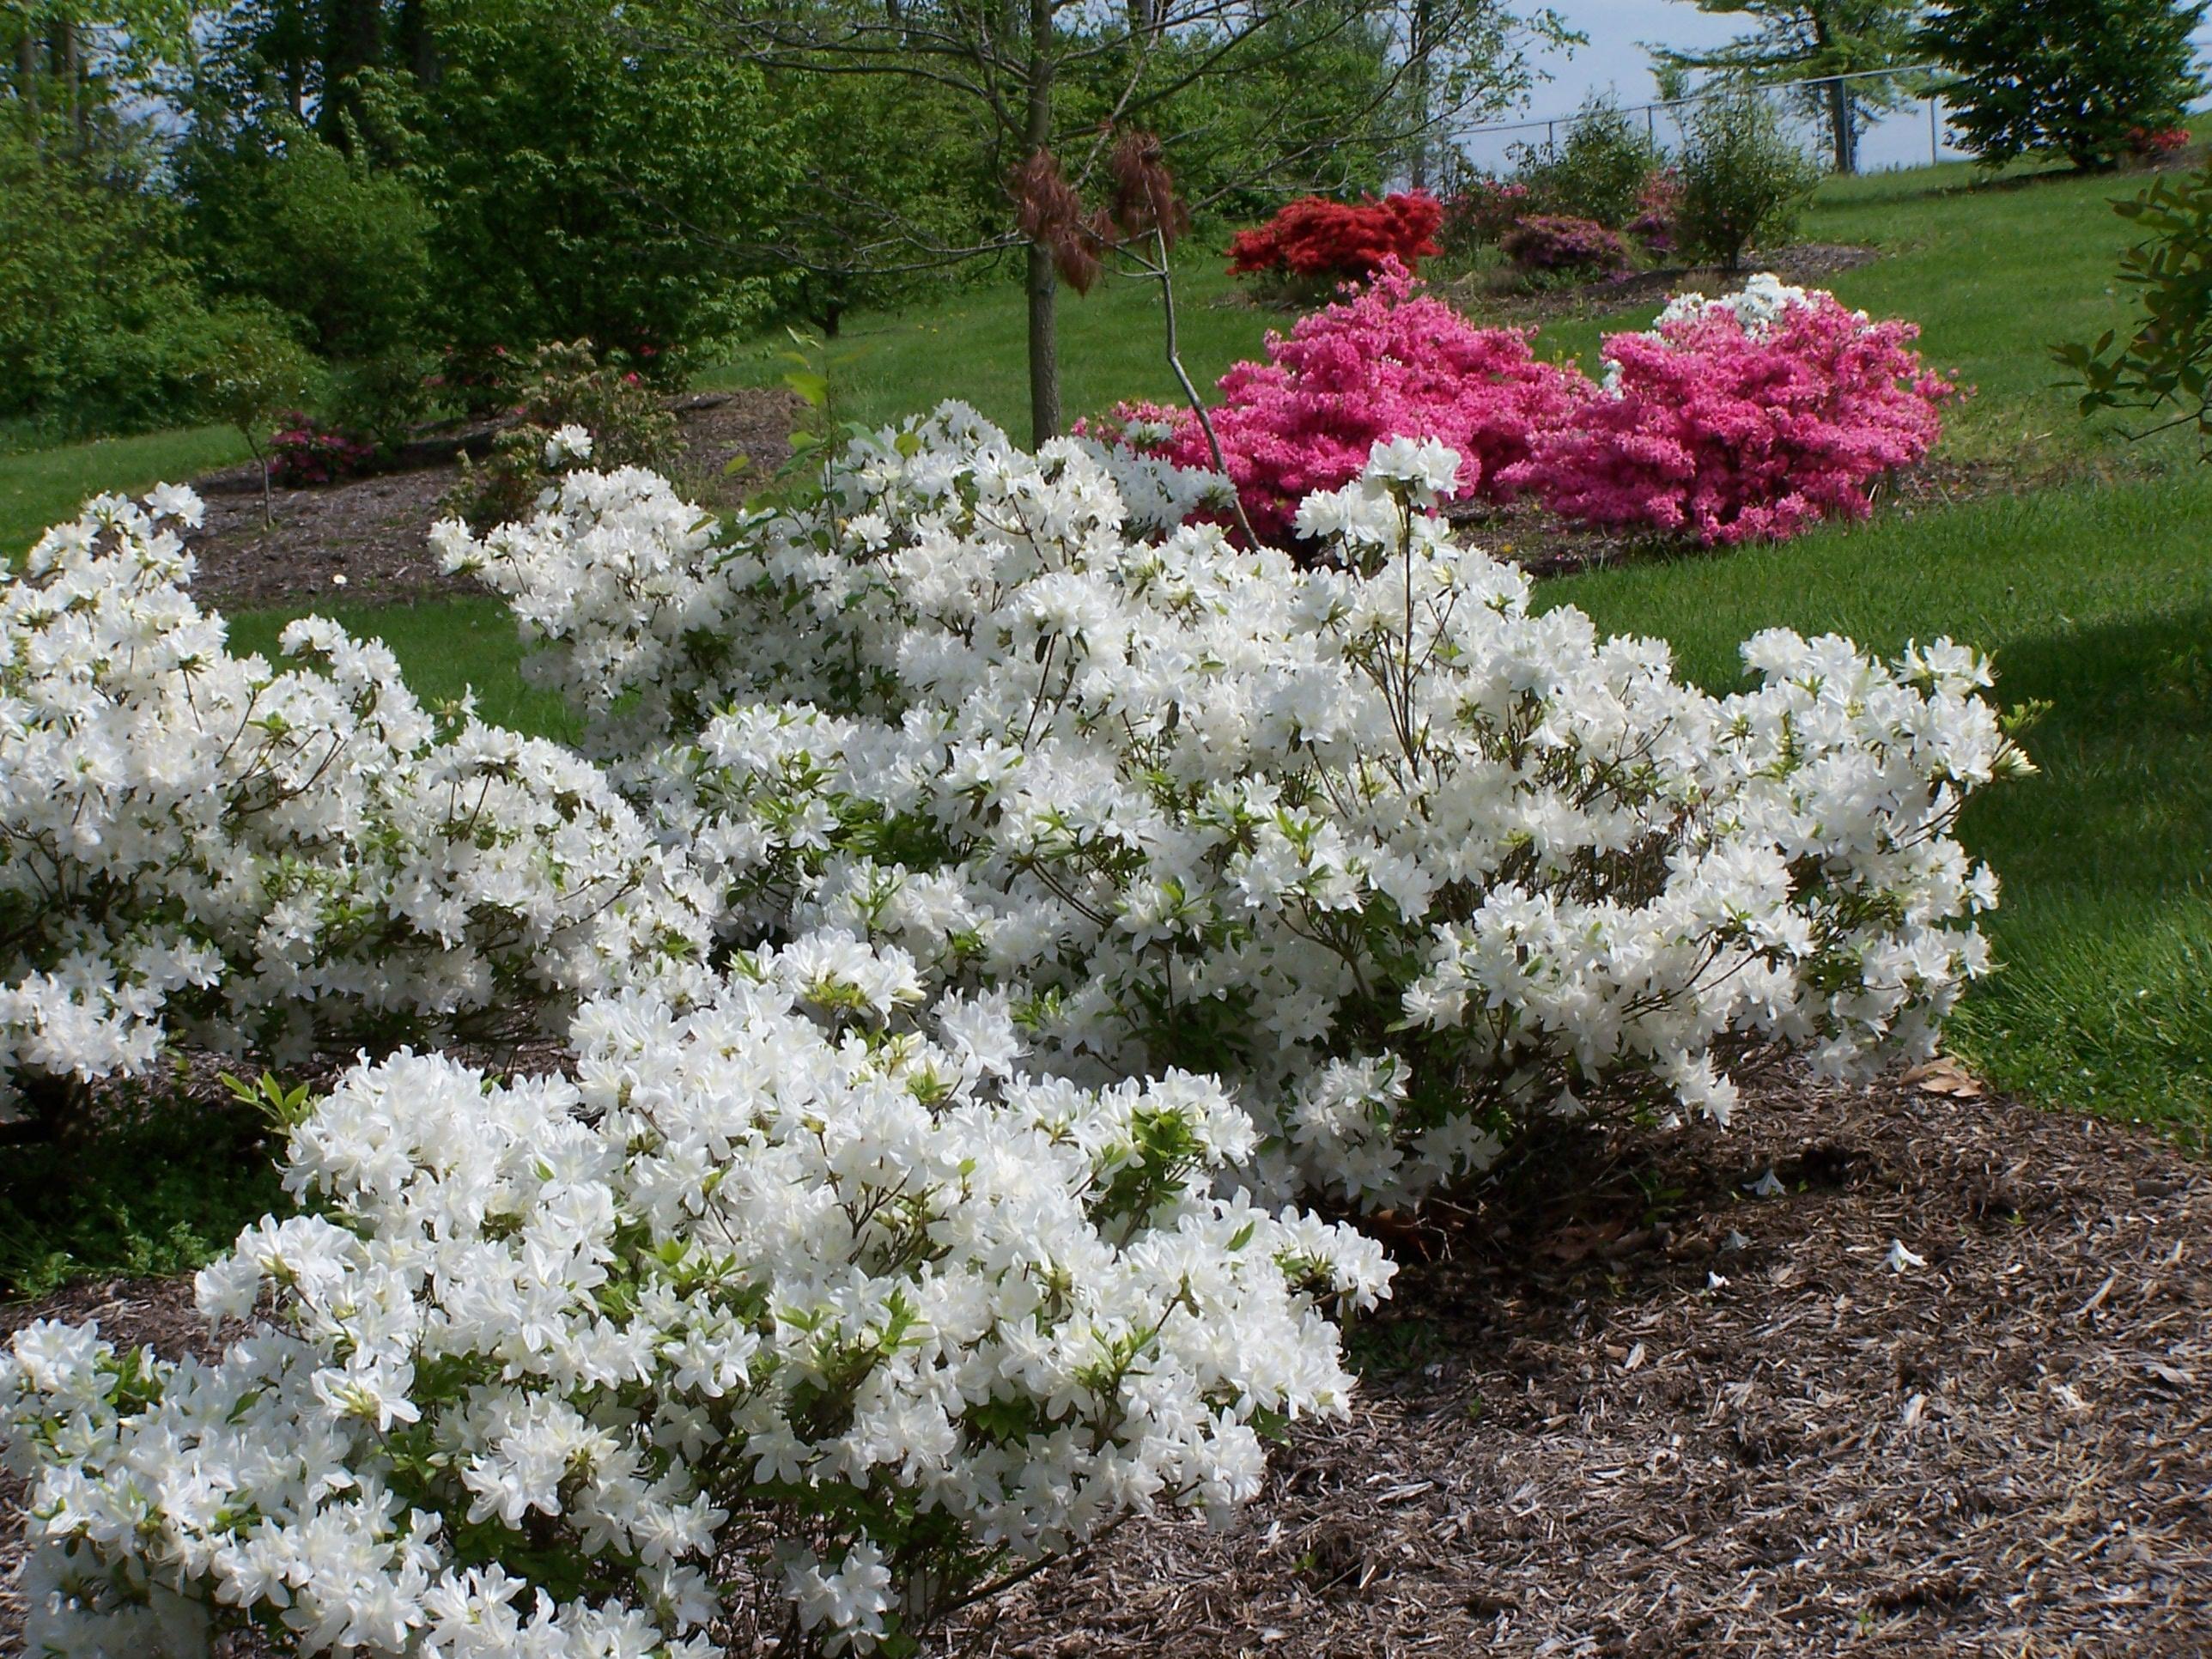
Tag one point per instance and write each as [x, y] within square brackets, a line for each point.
[281, 215]
[64, 63]
[1744, 179]
[96, 305]
[1050, 83]
[578, 186]
[2062, 78]
[890, 187]
[252, 372]
[1819, 40]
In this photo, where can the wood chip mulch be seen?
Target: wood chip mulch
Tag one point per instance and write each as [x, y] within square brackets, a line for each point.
[374, 531]
[1677, 1418]
[1625, 1405]
[1489, 298]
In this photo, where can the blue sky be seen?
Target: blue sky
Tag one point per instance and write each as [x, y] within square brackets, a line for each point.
[1616, 60]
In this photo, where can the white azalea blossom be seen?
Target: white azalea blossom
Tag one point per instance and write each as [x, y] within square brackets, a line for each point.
[783, 1308]
[984, 901]
[1756, 308]
[570, 446]
[280, 859]
[1400, 858]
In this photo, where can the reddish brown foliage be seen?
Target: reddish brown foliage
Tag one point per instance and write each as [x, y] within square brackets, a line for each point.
[1348, 240]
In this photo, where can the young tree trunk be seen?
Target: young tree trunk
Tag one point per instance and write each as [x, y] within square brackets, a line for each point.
[1044, 347]
[1043, 282]
[1842, 130]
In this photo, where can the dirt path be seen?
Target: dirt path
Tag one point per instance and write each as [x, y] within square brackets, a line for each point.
[1673, 1417]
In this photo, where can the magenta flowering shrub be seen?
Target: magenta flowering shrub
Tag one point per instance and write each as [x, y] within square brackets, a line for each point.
[1387, 361]
[305, 454]
[1752, 417]
[1656, 205]
[1553, 243]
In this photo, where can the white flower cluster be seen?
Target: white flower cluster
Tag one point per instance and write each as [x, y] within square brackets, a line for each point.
[784, 1310]
[1401, 859]
[1068, 883]
[1756, 306]
[279, 860]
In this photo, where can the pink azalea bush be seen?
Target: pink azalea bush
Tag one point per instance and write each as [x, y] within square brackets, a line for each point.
[305, 454]
[1557, 243]
[1751, 417]
[1387, 361]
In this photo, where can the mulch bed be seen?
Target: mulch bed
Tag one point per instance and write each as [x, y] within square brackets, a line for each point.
[1805, 264]
[1624, 1406]
[374, 531]
[1671, 1417]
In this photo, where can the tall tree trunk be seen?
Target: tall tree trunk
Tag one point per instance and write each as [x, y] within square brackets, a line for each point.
[65, 57]
[285, 49]
[26, 80]
[1421, 48]
[1842, 130]
[353, 40]
[417, 46]
[1043, 280]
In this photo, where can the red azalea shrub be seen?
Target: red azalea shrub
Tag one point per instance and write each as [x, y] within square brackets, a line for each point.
[1731, 431]
[2155, 144]
[1552, 244]
[1387, 363]
[305, 455]
[1339, 242]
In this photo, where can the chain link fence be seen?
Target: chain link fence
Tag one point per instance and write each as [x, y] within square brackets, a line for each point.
[1899, 121]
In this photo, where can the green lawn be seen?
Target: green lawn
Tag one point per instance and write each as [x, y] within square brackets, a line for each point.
[975, 346]
[449, 649]
[42, 486]
[2087, 577]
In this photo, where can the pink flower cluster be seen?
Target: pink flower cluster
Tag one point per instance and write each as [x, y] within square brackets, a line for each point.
[305, 454]
[1386, 362]
[1731, 428]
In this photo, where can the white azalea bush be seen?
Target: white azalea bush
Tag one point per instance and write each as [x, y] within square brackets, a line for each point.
[280, 859]
[797, 1313]
[1401, 859]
